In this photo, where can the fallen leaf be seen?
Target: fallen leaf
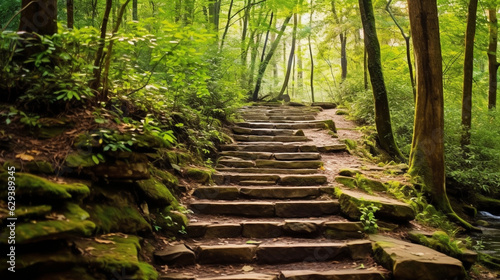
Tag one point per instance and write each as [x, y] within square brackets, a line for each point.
[102, 241]
[34, 152]
[25, 157]
[247, 268]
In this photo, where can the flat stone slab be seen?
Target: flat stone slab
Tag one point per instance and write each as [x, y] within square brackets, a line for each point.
[240, 208]
[227, 179]
[302, 227]
[301, 252]
[219, 193]
[299, 209]
[266, 131]
[239, 163]
[227, 230]
[225, 254]
[332, 148]
[304, 180]
[247, 154]
[178, 255]
[414, 262]
[262, 229]
[276, 148]
[259, 138]
[246, 276]
[297, 156]
[281, 192]
[268, 170]
[261, 163]
[347, 274]
[391, 210]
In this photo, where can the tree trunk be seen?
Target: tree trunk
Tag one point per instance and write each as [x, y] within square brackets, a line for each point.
[188, 13]
[70, 20]
[300, 70]
[39, 17]
[492, 57]
[343, 43]
[427, 151]
[227, 26]
[263, 65]
[135, 15]
[468, 71]
[104, 93]
[382, 114]
[365, 68]
[213, 13]
[290, 57]
[408, 51]
[311, 53]
[96, 79]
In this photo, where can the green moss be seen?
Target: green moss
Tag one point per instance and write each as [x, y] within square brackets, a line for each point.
[39, 167]
[346, 181]
[70, 221]
[361, 182]
[29, 185]
[29, 212]
[167, 178]
[157, 193]
[198, 175]
[123, 218]
[330, 125]
[79, 160]
[349, 172]
[116, 255]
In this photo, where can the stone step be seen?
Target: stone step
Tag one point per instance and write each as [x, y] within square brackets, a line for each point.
[267, 131]
[412, 261]
[266, 138]
[284, 209]
[266, 170]
[305, 228]
[251, 118]
[341, 270]
[283, 125]
[284, 180]
[288, 164]
[348, 274]
[233, 192]
[247, 155]
[290, 252]
[270, 147]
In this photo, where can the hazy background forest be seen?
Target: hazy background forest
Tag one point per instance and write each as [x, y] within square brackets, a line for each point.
[203, 59]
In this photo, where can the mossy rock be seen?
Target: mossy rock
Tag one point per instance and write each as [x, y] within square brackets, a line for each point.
[198, 175]
[121, 170]
[330, 124]
[349, 172]
[122, 218]
[71, 221]
[79, 160]
[31, 212]
[363, 183]
[178, 157]
[116, 255]
[52, 127]
[342, 112]
[171, 221]
[49, 260]
[157, 193]
[40, 189]
[167, 178]
[143, 142]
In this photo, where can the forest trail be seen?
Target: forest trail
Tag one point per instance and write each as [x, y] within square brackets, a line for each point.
[273, 213]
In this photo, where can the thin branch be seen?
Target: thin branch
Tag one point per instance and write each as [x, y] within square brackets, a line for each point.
[15, 15]
[389, 10]
[240, 10]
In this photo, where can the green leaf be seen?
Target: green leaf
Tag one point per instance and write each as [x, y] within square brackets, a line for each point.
[95, 159]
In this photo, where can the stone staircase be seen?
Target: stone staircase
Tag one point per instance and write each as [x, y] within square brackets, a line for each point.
[271, 214]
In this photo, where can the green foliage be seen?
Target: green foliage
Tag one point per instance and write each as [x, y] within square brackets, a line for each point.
[368, 217]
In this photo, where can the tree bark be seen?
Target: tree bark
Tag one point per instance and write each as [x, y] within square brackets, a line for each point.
[408, 51]
[468, 71]
[427, 151]
[311, 53]
[39, 17]
[343, 44]
[227, 26]
[70, 14]
[135, 15]
[382, 113]
[263, 65]
[96, 79]
[492, 57]
[290, 57]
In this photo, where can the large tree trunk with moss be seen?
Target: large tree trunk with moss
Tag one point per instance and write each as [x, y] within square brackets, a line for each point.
[468, 71]
[382, 114]
[39, 16]
[492, 56]
[263, 65]
[427, 151]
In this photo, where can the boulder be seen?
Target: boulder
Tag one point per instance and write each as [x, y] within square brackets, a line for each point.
[177, 255]
[411, 261]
